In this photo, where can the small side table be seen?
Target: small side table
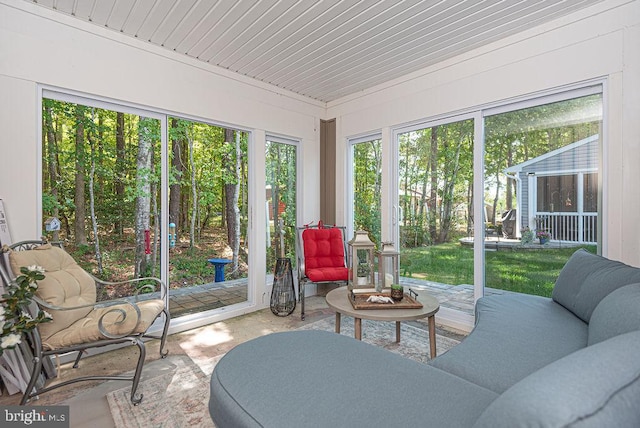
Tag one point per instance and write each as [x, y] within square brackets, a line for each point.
[219, 265]
[338, 300]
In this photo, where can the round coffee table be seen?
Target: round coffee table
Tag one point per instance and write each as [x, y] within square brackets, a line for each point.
[338, 300]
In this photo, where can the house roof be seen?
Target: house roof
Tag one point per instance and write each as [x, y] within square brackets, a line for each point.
[322, 49]
[554, 153]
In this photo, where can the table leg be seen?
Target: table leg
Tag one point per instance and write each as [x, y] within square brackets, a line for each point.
[397, 331]
[358, 328]
[432, 335]
[338, 322]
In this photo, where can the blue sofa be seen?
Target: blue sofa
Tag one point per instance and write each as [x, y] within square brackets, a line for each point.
[570, 360]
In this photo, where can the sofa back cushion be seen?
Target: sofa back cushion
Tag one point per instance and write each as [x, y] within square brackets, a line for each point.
[597, 386]
[65, 284]
[617, 313]
[587, 278]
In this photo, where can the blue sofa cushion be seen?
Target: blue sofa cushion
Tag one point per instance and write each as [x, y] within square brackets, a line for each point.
[323, 379]
[597, 386]
[587, 278]
[617, 313]
[515, 335]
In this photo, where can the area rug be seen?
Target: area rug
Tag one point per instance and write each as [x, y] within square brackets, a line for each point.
[176, 389]
[176, 396]
[414, 341]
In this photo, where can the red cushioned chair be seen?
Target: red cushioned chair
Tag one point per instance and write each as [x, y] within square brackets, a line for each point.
[322, 256]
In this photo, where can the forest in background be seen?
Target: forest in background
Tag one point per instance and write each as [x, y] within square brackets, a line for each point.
[436, 168]
[101, 177]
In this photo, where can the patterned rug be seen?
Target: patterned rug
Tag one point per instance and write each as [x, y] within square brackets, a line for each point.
[414, 341]
[176, 389]
[176, 397]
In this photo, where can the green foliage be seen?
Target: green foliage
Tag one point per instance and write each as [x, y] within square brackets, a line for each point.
[367, 181]
[14, 320]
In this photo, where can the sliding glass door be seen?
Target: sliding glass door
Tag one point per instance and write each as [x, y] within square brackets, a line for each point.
[139, 193]
[435, 199]
[497, 200]
[542, 189]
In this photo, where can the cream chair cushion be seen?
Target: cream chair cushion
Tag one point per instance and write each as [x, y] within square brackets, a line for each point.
[119, 320]
[66, 284]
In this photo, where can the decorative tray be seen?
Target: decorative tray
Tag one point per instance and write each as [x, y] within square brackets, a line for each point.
[359, 301]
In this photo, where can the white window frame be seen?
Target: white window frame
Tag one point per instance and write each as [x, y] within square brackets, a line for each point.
[255, 276]
[350, 203]
[478, 114]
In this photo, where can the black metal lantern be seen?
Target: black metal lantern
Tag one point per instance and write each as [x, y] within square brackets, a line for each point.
[283, 295]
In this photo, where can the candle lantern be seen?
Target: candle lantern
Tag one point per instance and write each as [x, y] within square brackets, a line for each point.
[361, 271]
[388, 266]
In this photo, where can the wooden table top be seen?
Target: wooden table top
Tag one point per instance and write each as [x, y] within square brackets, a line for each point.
[338, 300]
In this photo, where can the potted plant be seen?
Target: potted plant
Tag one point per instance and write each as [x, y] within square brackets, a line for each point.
[397, 292]
[543, 236]
[526, 236]
[363, 272]
[14, 321]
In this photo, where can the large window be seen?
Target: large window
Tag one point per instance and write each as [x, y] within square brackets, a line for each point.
[281, 190]
[100, 177]
[435, 195]
[140, 193]
[476, 192]
[366, 186]
[541, 166]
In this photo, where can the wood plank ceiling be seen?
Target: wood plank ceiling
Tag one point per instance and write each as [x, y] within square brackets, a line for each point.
[323, 49]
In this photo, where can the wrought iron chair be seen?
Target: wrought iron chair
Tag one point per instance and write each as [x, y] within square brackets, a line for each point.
[80, 322]
[322, 256]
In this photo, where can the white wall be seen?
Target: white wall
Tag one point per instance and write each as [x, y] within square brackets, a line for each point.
[599, 42]
[41, 47]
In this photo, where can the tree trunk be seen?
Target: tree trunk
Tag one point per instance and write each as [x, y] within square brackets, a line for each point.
[510, 182]
[79, 197]
[432, 203]
[52, 150]
[94, 220]
[194, 193]
[175, 188]
[451, 177]
[231, 190]
[118, 226]
[143, 200]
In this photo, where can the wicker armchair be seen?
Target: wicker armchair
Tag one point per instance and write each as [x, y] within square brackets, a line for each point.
[80, 322]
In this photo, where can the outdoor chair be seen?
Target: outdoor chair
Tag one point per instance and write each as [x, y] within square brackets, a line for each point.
[322, 256]
[80, 322]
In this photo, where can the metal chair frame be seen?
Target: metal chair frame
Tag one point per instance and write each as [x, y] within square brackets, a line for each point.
[137, 339]
[302, 277]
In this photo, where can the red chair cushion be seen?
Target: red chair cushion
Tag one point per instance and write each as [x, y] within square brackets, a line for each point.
[324, 255]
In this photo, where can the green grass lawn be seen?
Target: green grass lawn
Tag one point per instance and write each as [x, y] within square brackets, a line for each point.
[520, 270]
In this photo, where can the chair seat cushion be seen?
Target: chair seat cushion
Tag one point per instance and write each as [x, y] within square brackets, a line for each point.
[118, 320]
[523, 333]
[328, 274]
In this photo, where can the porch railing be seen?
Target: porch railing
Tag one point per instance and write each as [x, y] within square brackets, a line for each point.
[570, 227]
